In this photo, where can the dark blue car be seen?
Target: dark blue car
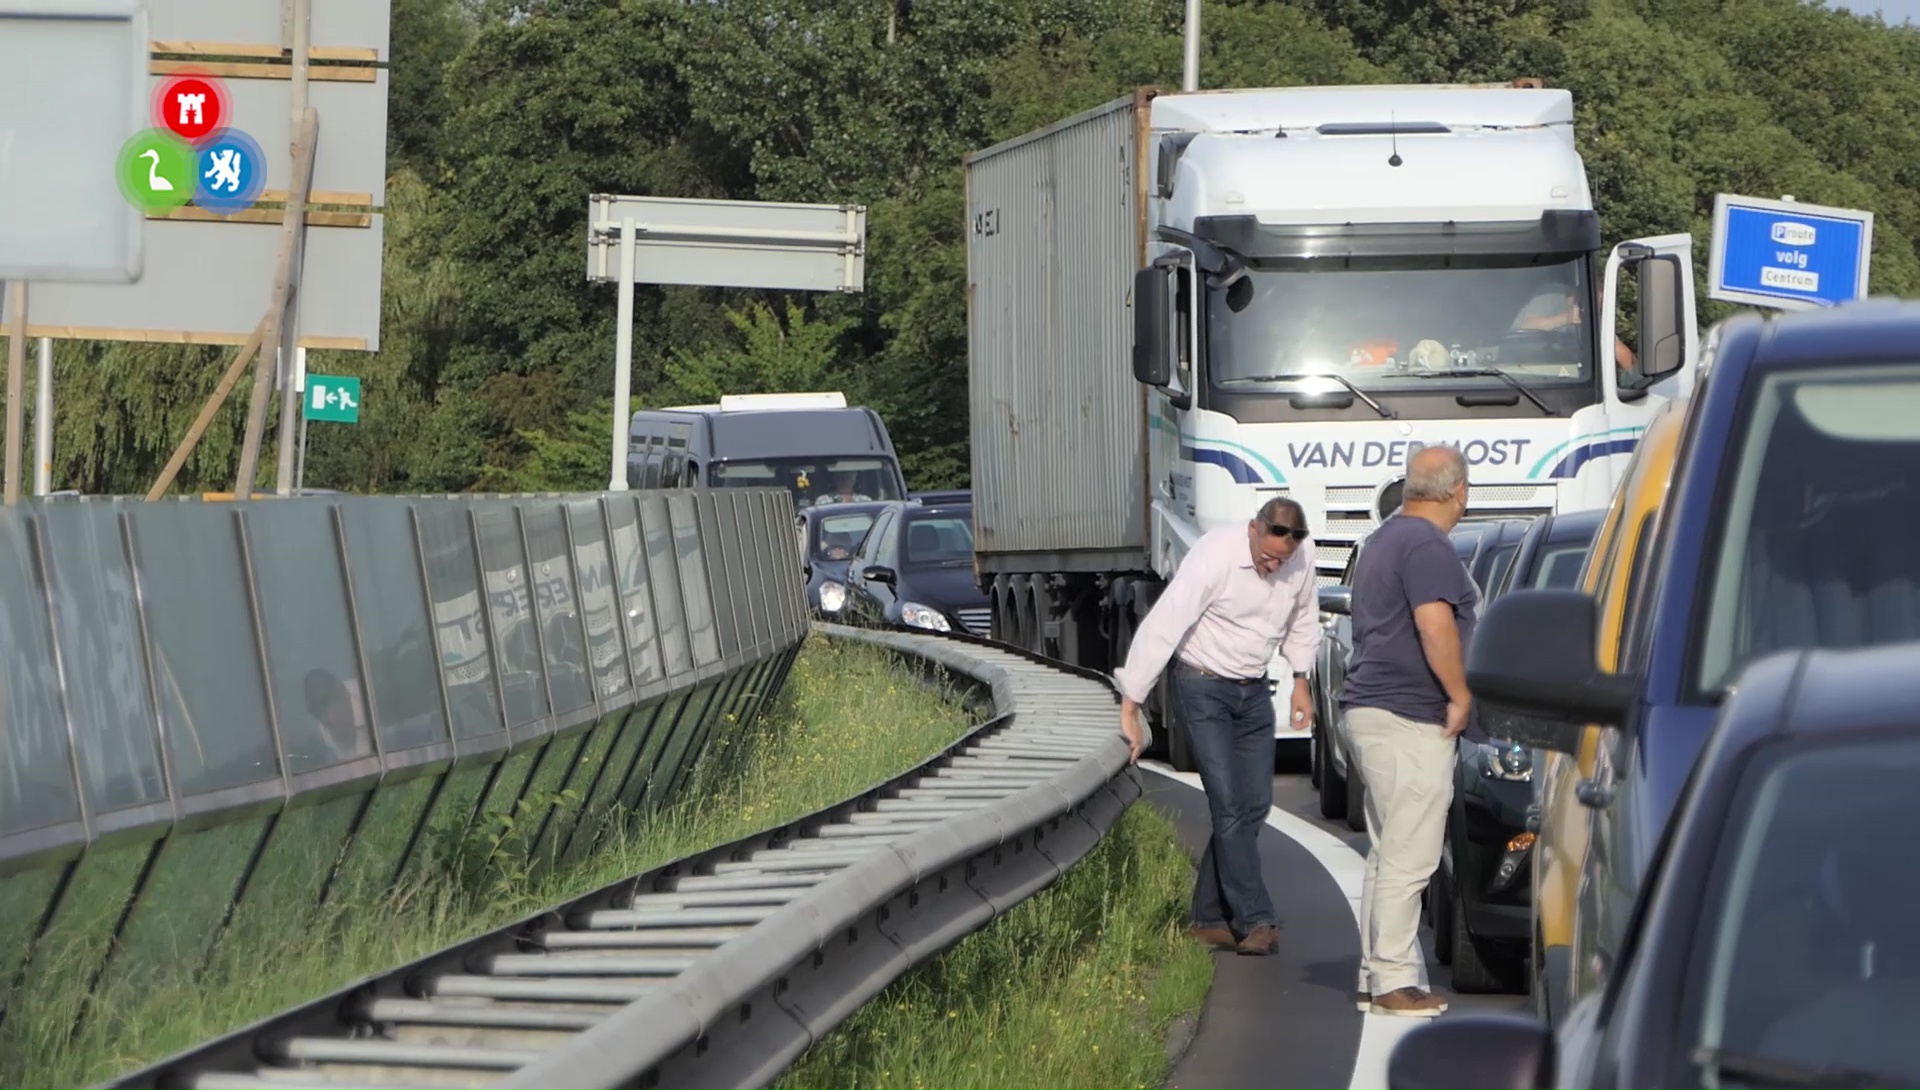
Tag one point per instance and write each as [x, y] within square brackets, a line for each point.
[829, 536]
[916, 568]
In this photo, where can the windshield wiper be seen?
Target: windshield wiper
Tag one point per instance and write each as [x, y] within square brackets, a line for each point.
[1771, 1072]
[1495, 372]
[1357, 392]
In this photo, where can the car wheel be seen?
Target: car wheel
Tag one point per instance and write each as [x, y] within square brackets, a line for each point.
[1333, 786]
[1441, 908]
[1356, 797]
[1474, 971]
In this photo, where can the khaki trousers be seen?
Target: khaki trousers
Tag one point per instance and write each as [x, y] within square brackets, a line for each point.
[1408, 769]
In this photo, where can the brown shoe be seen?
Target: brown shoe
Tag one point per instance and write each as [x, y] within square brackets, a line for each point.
[1263, 939]
[1408, 1002]
[1219, 937]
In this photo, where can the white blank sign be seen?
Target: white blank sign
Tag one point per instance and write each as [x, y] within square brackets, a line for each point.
[73, 89]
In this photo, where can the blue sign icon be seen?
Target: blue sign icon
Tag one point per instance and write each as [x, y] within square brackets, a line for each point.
[231, 173]
[1786, 254]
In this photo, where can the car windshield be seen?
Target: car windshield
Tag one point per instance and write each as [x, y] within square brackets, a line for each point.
[1502, 556]
[814, 482]
[1816, 542]
[1394, 329]
[837, 535]
[938, 541]
[1814, 960]
[1559, 565]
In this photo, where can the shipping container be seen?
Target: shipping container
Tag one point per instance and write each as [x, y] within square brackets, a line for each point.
[1056, 230]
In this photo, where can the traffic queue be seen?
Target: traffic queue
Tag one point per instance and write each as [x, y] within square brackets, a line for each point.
[1717, 721]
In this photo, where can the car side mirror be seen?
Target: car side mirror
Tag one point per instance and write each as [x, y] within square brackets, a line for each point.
[1336, 599]
[874, 573]
[1152, 319]
[1534, 672]
[1662, 312]
[1500, 1051]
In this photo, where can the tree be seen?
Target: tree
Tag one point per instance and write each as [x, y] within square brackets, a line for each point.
[772, 356]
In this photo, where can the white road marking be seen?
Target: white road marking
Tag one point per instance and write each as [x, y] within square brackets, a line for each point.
[1347, 867]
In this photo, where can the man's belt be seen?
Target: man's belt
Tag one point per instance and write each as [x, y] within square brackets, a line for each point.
[1206, 673]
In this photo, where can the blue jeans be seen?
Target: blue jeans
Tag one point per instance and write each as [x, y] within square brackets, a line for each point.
[1230, 733]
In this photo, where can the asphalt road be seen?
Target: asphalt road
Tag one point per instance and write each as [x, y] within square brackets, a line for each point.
[1289, 1020]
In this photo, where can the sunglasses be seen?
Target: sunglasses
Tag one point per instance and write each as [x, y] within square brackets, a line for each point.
[1295, 532]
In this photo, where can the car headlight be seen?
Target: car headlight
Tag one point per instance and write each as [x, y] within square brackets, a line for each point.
[832, 597]
[920, 616]
[1508, 760]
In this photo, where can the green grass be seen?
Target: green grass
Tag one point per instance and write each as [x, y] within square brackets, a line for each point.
[850, 716]
[1076, 987]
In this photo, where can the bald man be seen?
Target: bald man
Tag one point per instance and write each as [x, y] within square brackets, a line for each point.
[1405, 701]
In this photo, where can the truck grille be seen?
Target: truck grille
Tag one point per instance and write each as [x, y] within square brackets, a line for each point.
[1349, 518]
[977, 621]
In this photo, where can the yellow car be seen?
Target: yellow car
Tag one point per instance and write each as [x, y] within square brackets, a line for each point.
[1771, 510]
[1609, 576]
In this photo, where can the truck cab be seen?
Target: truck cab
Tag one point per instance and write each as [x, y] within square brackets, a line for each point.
[1769, 511]
[813, 444]
[1340, 276]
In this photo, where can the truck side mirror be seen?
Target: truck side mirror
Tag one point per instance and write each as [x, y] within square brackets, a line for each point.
[1663, 344]
[1152, 321]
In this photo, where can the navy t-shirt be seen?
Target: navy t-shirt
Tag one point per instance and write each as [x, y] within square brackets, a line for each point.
[1407, 562]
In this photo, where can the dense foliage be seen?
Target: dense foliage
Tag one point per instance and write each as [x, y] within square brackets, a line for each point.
[495, 371]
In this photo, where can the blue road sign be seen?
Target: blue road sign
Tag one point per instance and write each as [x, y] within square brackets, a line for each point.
[232, 173]
[1786, 254]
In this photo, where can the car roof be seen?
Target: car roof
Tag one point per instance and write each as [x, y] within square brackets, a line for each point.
[1810, 692]
[873, 508]
[918, 511]
[1574, 525]
[1864, 331]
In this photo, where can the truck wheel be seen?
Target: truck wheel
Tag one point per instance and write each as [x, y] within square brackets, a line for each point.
[1178, 754]
[1005, 626]
[1020, 632]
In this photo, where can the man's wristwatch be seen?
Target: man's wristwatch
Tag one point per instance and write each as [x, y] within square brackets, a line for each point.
[1299, 675]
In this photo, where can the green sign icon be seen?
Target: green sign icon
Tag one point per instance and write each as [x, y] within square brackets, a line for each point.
[155, 171]
[333, 398]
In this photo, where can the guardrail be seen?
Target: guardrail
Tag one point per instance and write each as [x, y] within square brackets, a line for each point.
[720, 969]
[219, 716]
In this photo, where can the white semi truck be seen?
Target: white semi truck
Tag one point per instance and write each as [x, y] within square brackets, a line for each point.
[1182, 305]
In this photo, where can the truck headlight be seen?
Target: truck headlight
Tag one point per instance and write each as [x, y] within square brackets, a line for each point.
[832, 597]
[920, 616]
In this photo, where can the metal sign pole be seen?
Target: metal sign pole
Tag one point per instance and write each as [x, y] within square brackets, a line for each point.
[623, 359]
[299, 384]
[300, 470]
[298, 38]
[1190, 78]
[43, 421]
[16, 385]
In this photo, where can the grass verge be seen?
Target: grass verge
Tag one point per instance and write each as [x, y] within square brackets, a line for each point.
[1076, 987]
[851, 716]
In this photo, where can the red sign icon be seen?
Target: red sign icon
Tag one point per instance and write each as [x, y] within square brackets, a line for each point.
[192, 107]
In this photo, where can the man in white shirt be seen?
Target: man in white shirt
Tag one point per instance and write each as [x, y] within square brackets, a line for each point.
[1235, 597]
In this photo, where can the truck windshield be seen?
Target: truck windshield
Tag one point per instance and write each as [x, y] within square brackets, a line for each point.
[1814, 545]
[1396, 329]
[813, 481]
